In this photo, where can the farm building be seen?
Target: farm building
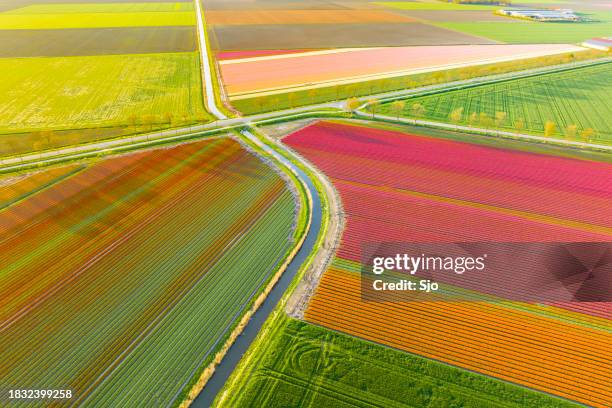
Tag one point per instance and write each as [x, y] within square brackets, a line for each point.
[542, 15]
[603, 44]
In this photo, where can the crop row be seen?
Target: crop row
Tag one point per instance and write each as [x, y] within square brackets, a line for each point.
[562, 359]
[133, 270]
[346, 66]
[405, 188]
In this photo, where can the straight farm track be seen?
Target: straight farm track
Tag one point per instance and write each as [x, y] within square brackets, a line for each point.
[98, 289]
[142, 91]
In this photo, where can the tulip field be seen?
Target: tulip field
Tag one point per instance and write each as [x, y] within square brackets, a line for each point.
[63, 16]
[411, 188]
[121, 278]
[305, 363]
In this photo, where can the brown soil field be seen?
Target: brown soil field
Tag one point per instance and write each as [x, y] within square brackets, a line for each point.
[246, 17]
[96, 41]
[313, 36]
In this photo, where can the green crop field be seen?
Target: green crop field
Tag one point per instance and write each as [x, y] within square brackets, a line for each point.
[146, 91]
[305, 365]
[433, 5]
[579, 98]
[97, 15]
[342, 92]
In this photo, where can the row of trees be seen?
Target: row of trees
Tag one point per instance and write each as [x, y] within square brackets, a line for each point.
[481, 119]
[499, 120]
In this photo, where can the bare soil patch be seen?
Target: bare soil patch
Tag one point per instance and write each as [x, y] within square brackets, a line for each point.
[246, 17]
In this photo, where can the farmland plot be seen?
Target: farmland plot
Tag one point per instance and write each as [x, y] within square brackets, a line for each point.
[268, 25]
[70, 29]
[50, 21]
[291, 36]
[396, 187]
[17, 188]
[69, 8]
[142, 91]
[96, 41]
[526, 32]
[305, 364]
[573, 101]
[276, 74]
[134, 270]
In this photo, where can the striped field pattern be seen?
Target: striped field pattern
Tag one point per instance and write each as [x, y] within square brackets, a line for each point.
[120, 281]
[399, 187]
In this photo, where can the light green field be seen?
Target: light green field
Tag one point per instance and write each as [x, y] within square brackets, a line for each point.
[95, 20]
[93, 91]
[578, 97]
[551, 2]
[524, 32]
[66, 8]
[409, 5]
